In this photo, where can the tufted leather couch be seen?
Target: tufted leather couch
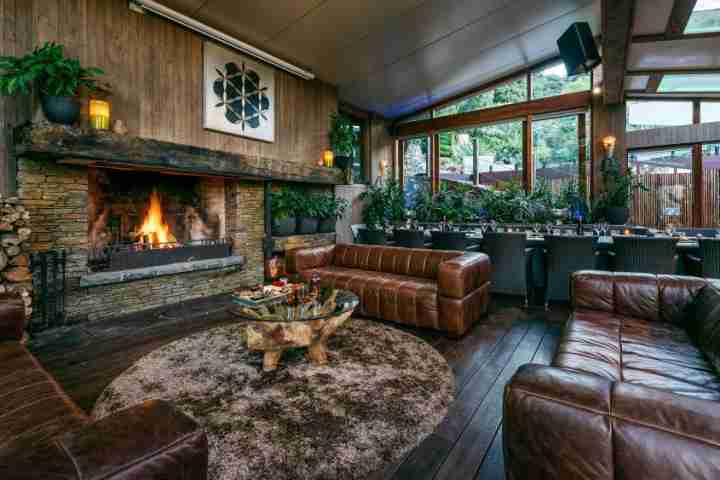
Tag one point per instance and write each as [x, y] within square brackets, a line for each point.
[443, 290]
[44, 435]
[633, 391]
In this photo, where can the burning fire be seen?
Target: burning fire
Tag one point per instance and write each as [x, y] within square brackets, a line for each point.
[154, 228]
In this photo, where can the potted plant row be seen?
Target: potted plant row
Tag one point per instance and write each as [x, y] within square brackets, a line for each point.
[57, 79]
[295, 212]
[384, 206]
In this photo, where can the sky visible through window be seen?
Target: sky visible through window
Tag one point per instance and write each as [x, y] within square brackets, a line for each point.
[705, 17]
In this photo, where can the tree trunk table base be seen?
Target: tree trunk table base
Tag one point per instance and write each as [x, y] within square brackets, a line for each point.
[273, 338]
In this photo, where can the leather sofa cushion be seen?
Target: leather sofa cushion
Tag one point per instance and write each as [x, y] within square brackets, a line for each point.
[397, 298]
[704, 322]
[636, 351]
[398, 261]
[33, 407]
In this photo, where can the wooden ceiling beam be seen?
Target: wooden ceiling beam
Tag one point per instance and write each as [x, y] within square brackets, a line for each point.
[663, 37]
[671, 71]
[617, 20]
[679, 18]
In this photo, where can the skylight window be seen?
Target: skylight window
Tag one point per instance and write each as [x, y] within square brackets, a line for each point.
[705, 17]
[690, 83]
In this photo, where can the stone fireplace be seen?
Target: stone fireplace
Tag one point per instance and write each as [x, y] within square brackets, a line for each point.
[147, 223]
[138, 220]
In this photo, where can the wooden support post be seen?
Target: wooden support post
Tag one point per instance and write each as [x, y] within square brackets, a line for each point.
[528, 170]
[476, 172]
[697, 174]
[435, 162]
[399, 165]
[582, 155]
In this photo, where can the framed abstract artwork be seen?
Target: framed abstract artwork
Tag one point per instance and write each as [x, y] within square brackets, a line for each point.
[239, 94]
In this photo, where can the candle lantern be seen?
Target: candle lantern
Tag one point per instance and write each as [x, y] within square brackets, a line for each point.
[99, 114]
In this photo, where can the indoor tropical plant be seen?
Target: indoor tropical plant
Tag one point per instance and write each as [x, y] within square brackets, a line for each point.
[614, 203]
[56, 78]
[330, 209]
[342, 140]
[308, 208]
[373, 215]
[283, 208]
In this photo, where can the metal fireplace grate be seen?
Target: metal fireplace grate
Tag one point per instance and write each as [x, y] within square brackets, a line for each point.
[127, 256]
[48, 273]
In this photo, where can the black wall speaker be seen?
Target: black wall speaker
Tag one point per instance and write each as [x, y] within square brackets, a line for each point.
[578, 50]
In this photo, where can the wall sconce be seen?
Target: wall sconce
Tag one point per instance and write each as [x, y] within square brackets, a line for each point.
[99, 114]
[328, 158]
[609, 145]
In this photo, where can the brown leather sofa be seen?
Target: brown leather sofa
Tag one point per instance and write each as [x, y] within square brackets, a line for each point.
[44, 435]
[443, 290]
[633, 391]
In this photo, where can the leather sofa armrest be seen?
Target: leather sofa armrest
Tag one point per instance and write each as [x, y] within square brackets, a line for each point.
[564, 424]
[306, 258]
[152, 440]
[12, 317]
[556, 425]
[459, 276]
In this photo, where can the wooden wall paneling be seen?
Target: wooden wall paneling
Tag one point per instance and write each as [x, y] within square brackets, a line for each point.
[155, 68]
[15, 39]
[672, 136]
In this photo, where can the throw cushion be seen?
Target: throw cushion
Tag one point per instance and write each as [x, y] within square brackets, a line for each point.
[704, 323]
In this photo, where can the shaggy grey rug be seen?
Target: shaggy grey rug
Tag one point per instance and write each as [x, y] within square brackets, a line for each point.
[381, 393]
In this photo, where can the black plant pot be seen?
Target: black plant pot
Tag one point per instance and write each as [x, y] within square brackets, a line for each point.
[617, 215]
[327, 225]
[284, 227]
[63, 110]
[307, 225]
[372, 237]
[343, 161]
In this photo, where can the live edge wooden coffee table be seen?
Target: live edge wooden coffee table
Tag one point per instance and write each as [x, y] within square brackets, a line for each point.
[274, 328]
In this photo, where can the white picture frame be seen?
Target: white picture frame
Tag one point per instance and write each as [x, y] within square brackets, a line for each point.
[238, 94]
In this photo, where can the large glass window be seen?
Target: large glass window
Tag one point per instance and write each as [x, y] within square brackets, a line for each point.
[514, 91]
[358, 155]
[645, 115]
[667, 196]
[553, 80]
[556, 152]
[497, 153]
[710, 112]
[416, 167]
[416, 118]
[705, 17]
[705, 82]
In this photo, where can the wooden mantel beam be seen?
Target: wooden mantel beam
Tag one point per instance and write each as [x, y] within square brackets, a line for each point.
[110, 150]
[617, 23]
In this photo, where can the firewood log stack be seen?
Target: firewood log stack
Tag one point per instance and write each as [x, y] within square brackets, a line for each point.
[15, 250]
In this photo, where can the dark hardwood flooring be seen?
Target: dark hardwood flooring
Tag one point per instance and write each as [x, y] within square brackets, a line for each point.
[466, 445]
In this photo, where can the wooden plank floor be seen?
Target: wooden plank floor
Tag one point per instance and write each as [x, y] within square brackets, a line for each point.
[466, 445]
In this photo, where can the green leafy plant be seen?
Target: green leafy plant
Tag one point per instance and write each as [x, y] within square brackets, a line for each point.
[330, 206]
[619, 186]
[384, 205]
[284, 203]
[308, 206]
[341, 135]
[48, 70]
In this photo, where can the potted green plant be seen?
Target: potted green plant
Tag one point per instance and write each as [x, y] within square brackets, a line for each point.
[374, 216]
[342, 140]
[308, 213]
[330, 210]
[57, 79]
[614, 203]
[283, 208]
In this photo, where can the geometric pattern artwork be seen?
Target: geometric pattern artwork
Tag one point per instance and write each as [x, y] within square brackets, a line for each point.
[239, 94]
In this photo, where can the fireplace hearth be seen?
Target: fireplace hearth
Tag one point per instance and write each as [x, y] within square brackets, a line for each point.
[139, 220]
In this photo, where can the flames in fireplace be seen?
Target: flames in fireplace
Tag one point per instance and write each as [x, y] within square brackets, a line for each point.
[154, 230]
